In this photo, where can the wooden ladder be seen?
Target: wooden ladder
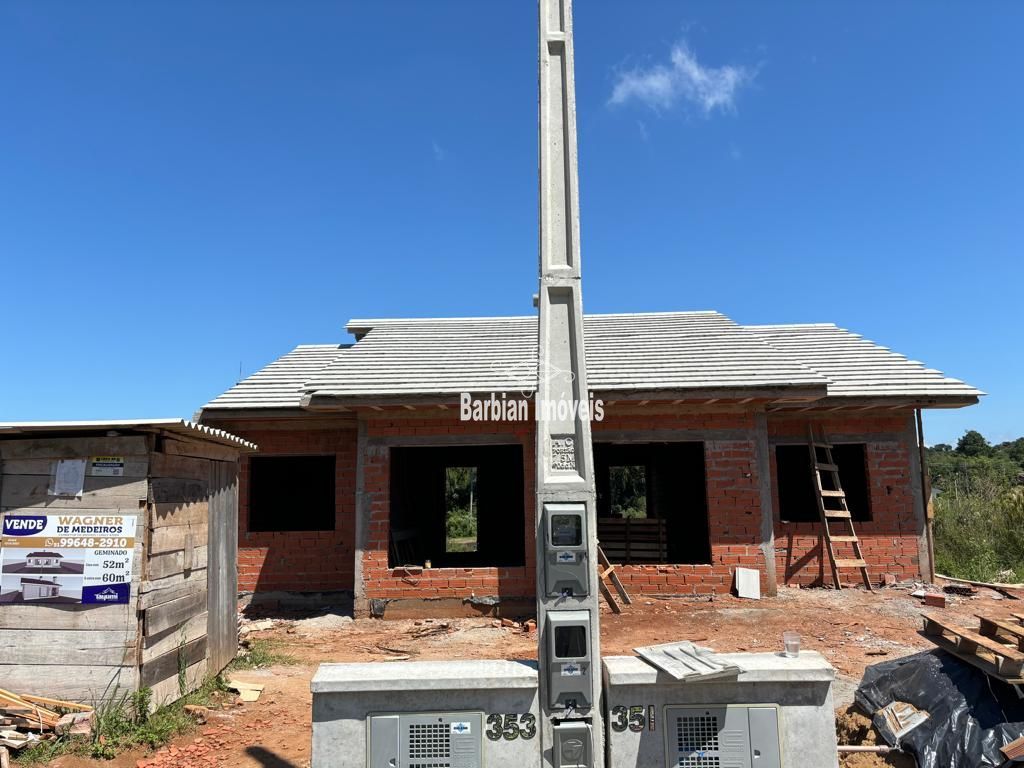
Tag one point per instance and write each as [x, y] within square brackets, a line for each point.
[832, 508]
[606, 573]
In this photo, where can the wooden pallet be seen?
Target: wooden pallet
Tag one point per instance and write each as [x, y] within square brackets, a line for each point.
[634, 540]
[606, 573]
[1001, 631]
[833, 510]
[995, 658]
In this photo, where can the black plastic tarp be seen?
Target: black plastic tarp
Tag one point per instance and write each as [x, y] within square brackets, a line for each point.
[971, 714]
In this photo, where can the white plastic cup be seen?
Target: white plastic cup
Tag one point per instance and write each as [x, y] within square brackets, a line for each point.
[791, 644]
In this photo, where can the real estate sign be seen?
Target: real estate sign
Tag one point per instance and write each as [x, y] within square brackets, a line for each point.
[66, 558]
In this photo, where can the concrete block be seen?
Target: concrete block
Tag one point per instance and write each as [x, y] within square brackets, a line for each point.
[638, 695]
[504, 692]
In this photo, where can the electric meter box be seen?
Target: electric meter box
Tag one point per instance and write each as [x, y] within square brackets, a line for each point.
[568, 570]
[744, 736]
[460, 714]
[569, 659]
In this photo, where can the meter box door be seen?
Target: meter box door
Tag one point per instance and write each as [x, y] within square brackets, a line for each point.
[569, 659]
[566, 567]
[452, 739]
[735, 736]
[572, 745]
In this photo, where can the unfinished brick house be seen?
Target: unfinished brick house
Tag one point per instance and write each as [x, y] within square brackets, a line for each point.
[368, 480]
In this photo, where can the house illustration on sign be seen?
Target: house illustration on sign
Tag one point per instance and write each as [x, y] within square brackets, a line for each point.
[44, 559]
[39, 589]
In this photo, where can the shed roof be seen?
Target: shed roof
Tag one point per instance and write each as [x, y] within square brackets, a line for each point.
[677, 352]
[181, 427]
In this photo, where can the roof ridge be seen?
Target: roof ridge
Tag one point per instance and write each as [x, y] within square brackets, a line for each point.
[364, 322]
[792, 325]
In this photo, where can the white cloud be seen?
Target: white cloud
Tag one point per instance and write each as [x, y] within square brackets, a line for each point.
[683, 78]
[439, 152]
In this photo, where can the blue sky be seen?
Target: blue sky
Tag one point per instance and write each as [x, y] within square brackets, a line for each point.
[189, 189]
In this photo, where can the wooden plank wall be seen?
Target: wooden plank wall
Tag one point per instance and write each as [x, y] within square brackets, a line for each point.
[223, 572]
[79, 652]
[190, 592]
[174, 587]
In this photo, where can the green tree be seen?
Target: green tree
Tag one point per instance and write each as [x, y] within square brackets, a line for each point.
[1014, 450]
[628, 491]
[973, 443]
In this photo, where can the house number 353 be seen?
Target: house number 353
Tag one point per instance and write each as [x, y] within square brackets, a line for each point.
[511, 727]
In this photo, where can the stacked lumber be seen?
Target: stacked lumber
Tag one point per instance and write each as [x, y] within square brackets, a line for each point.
[26, 720]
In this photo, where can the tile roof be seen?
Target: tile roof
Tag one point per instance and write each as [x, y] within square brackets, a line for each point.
[626, 353]
[282, 383]
[857, 367]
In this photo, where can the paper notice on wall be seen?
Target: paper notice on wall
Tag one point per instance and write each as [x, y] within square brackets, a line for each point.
[68, 478]
[66, 558]
[106, 466]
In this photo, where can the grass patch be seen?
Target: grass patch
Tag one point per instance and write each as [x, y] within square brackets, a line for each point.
[259, 653]
[980, 538]
[125, 723]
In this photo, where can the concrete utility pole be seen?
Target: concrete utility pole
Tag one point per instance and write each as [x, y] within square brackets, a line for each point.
[567, 595]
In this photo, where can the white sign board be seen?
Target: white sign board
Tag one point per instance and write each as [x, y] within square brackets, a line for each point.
[66, 558]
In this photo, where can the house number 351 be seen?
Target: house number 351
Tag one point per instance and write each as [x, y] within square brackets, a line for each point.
[632, 718]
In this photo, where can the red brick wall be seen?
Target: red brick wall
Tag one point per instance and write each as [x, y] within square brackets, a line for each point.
[300, 561]
[889, 540]
[391, 583]
[325, 560]
[734, 503]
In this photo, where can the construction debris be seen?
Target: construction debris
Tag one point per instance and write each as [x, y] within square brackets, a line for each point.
[247, 692]
[997, 585]
[899, 718]
[963, 590]
[432, 631]
[969, 717]
[686, 661]
[1014, 750]
[748, 583]
[26, 720]
[245, 627]
[76, 725]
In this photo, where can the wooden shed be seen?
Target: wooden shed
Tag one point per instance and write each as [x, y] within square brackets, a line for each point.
[118, 558]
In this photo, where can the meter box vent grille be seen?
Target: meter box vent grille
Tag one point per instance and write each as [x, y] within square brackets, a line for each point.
[426, 740]
[722, 737]
[697, 733]
[430, 745]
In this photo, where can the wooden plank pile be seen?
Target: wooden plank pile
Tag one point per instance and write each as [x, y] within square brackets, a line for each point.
[26, 720]
[996, 647]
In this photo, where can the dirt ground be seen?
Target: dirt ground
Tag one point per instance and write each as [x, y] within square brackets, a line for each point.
[851, 628]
